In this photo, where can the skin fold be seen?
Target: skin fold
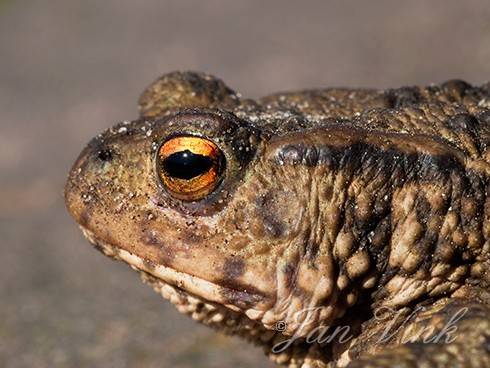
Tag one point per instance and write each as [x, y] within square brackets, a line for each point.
[350, 210]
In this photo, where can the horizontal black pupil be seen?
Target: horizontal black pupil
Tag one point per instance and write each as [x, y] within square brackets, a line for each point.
[186, 165]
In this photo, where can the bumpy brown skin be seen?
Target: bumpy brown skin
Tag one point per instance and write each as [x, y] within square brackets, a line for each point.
[368, 208]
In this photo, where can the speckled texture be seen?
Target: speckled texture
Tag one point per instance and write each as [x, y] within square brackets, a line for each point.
[331, 201]
[71, 69]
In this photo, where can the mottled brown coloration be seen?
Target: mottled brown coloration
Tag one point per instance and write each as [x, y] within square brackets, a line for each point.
[338, 202]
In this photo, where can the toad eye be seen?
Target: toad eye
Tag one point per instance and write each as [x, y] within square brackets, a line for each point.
[189, 167]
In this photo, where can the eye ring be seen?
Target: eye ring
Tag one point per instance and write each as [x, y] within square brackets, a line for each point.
[189, 167]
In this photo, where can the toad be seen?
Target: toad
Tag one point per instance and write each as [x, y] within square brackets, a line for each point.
[333, 227]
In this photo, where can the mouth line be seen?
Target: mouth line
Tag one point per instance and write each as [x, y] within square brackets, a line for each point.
[252, 304]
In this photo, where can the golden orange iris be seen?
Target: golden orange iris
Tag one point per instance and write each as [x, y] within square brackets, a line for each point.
[189, 167]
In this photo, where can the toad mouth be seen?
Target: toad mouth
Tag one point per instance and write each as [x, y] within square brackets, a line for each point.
[244, 301]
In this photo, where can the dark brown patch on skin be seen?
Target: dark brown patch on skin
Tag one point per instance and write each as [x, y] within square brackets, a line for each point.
[165, 255]
[273, 225]
[404, 96]
[444, 252]
[456, 89]
[239, 294]
[428, 239]
[84, 216]
[233, 268]
[378, 249]
[242, 299]
[484, 118]
[464, 123]
[235, 292]
[359, 157]
[191, 236]
[311, 250]
[387, 275]
[289, 271]
[105, 155]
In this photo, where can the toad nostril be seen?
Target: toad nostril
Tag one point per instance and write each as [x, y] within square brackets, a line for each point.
[104, 155]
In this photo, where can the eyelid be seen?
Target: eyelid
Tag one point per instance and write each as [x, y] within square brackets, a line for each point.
[196, 145]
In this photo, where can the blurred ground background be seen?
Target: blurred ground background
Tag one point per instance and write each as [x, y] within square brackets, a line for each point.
[69, 69]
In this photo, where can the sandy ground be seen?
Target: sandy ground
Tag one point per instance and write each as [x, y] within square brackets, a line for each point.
[69, 69]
